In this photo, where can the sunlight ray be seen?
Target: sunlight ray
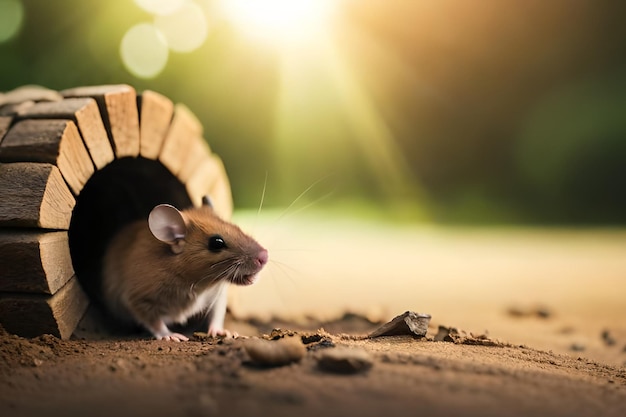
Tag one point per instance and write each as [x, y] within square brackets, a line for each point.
[377, 139]
[321, 100]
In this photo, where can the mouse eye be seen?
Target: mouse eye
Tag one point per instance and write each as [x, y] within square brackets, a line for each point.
[216, 243]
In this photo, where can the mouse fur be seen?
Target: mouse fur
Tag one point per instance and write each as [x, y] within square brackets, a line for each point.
[175, 265]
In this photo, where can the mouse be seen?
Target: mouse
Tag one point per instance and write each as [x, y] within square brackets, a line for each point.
[176, 264]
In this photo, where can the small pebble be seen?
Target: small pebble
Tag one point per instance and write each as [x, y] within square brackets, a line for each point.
[274, 352]
[313, 338]
[280, 333]
[324, 343]
[446, 334]
[408, 323]
[342, 360]
[577, 347]
[538, 311]
[543, 313]
[608, 338]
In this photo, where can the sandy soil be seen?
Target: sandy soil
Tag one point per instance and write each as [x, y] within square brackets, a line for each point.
[202, 377]
[551, 306]
[472, 278]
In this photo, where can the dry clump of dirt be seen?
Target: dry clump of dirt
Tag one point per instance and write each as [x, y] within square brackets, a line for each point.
[16, 351]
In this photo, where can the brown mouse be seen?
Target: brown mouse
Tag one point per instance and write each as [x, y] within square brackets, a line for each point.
[175, 265]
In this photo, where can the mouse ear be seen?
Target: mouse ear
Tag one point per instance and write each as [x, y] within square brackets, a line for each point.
[207, 202]
[167, 223]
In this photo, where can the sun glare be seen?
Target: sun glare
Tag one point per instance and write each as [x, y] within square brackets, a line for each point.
[319, 97]
[279, 21]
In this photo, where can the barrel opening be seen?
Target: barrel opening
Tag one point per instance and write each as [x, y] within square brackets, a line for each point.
[120, 193]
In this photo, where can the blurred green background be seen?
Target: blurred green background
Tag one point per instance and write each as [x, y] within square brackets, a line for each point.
[453, 111]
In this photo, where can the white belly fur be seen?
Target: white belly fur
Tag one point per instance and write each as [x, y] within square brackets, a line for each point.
[204, 302]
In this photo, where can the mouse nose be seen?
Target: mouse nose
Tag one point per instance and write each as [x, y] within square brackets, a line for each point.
[262, 258]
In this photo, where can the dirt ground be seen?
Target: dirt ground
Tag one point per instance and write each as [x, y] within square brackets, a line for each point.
[129, 375]
[546, 309]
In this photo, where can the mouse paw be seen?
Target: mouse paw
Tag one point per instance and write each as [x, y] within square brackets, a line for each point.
[174, 337]
[161, 332]
[217, 332]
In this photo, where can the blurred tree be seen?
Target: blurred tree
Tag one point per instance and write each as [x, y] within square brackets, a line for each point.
[571, 153]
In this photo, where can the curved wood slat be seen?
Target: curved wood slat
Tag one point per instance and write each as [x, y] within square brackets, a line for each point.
[53, 141]
[210, 179]
[34, 195]
[5, 123]
[155, 116]
[198, 151]
[84, 112]
[118, 107]
[33, 315]
[183, 131]
[34, 261]
[34, 93]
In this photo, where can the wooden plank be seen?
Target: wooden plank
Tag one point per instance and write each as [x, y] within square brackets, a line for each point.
[32, 93]
[184, 129]
[5, 124]
[198, 152]
[54, 141]
[33, 261]
[118, 107]
[84, 112]
[30, 315]
[210, 179]
[221, 193]
[34, 195]
[202, 180]
[155, 115]
[14, 108]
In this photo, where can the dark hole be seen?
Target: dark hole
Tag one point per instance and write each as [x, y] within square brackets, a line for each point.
[124, 191]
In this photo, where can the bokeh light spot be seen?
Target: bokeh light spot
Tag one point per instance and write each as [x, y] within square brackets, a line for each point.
[144, 51]
[11, 16]
[185, 29]
[160, 7]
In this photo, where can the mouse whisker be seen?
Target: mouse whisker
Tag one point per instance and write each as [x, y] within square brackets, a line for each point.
[220, 263]
[302, 194]
[232, 268]
[283, 267]
[211, 275]
[262, 196]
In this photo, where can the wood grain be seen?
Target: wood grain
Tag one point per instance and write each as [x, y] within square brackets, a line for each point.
[34, 195]
[32, 315]
[184, 129]
[210, 179]
[118, 107]
[5, 123]
[53, 141]
[198, 152]
[221, 194]
[85, 114]
[33, 261]
[32, 93]
[14, 108]
[155, 115]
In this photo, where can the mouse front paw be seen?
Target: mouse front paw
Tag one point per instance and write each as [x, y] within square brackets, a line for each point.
[160, 331]
[174, 337]
[219, 332]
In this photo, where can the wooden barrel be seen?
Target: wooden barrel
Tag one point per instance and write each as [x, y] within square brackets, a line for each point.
[75, 166]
